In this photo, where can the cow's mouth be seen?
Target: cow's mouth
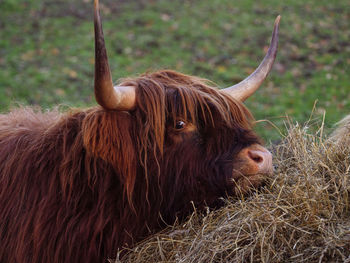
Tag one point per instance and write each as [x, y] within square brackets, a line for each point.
[246, 183]
[253, 167]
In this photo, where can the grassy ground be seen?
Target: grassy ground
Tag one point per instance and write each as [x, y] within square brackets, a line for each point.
[46, 50]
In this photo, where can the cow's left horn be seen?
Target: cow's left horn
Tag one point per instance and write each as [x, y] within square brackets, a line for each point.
[249, 85]
[109, 97]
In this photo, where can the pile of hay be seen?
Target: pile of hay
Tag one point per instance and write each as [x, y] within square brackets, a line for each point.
[302, 215]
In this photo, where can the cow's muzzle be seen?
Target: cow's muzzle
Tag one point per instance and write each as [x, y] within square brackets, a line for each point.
[259, 158]
[253, 167]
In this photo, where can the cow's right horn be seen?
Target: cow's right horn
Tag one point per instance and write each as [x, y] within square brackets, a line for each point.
[109, 97]
[249, 85]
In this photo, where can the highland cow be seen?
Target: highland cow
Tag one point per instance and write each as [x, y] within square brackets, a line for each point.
[76, 186]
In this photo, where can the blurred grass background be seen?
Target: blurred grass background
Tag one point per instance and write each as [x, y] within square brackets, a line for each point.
[47, 52]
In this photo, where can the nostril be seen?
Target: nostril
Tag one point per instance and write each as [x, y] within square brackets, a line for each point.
[258, 158]
[255, 156]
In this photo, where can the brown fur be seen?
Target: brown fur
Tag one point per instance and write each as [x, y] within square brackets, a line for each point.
[76, 186]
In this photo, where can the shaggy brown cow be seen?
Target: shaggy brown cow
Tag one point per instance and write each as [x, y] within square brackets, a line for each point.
[76, 186]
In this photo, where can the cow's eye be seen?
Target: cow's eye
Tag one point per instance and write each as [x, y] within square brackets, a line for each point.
[180, 125]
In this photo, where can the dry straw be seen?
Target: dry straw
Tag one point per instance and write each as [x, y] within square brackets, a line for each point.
[301, 215]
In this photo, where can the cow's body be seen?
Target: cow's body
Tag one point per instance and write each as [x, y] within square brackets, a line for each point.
[73, 185]
[59, 202]
[79, 185]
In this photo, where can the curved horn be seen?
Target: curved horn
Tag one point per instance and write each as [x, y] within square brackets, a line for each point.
[109, 97]
[249, 85]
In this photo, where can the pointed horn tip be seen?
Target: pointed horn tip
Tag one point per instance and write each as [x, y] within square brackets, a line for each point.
[277, 20]
[245, 88]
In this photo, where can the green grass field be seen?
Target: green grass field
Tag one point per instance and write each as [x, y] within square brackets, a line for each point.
[47, 57]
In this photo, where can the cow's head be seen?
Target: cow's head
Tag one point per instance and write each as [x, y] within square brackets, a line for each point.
[203, 143]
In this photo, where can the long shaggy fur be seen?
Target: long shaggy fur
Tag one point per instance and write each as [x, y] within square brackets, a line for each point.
[76, 186]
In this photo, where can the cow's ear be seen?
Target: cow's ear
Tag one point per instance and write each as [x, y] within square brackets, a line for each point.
[106, 134]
